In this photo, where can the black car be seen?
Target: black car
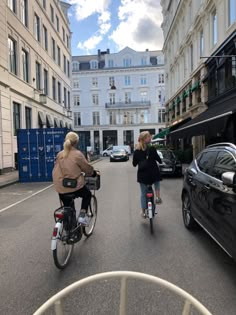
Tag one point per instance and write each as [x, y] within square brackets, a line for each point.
[170, 164]
[119, 156]
[209, 194]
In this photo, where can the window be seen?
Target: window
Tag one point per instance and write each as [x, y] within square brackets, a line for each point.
[24, 12]
[68, 94]
[144, 61]
[63, 34]
[94, 82]
[127, 80]
[45, 81]
[127, 97]
[38, 75]
[214, 28]
[232, 11]
[128, 118]
[111, 81]
[28, 117]
[96, 118]
[12, 5]
[12, 55]
[57, 22]
[76, 84]
[16, 117]
[75, 66]
[77, 119]
[143, 117]
[206, 160]
[54, 88]
[143, 96]
[127, 62]
[112, 118]
[191, 57]
[65, 97]
[68, 68]
[76, 100]
[143, 80]
[44, 4]
[53, 49]
[25, 65]
[161, 78]
[52, 14]
[225, 162]
[201, 43]
[58, 56]
[95, 99]
[110, 63]
[59, 92]
[36, 27]
[45, 38]
[161, 115]
[64, 63]
[112, 98]
[94, 64]
[67, 41]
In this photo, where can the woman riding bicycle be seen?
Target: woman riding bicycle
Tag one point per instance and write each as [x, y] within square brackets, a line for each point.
[70, 164]
[146, 157]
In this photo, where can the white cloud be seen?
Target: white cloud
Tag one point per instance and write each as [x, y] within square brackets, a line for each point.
[90, 43]
[139, 27]
[86, 8]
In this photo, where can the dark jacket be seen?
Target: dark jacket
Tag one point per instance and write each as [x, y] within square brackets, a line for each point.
[151, 173]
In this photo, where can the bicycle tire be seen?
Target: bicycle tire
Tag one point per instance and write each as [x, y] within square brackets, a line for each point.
[63, 251]
[92, 213]
[151, 225]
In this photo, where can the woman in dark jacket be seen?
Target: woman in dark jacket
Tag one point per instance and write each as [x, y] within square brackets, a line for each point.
[146, 157]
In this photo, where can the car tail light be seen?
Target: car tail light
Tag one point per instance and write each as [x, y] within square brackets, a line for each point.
[54, 233]
[149, 195]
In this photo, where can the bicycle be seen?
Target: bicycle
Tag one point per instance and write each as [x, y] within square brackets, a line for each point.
[190, 303]
[150, 209]
[68, 230]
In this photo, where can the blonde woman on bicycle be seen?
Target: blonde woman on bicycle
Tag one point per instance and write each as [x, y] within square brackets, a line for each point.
[69, 168]
[145, 156]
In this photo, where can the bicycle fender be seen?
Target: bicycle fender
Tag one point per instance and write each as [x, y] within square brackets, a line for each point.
[57, 228]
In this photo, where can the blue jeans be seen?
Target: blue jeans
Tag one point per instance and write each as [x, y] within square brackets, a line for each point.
[144, 189]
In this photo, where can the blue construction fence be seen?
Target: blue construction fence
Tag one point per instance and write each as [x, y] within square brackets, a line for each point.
[37, 151]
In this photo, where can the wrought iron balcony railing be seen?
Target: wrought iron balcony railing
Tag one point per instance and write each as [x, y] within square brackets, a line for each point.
[122, 105]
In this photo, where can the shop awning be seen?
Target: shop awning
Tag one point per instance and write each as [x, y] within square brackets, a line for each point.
[56, 122]
[162, 134]
[212, 120]
[49, 121]
[62, 124]
[41, 118]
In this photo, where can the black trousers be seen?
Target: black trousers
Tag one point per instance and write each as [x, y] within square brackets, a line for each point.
[83, 193]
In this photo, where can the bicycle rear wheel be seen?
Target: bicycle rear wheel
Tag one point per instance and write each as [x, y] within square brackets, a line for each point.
[63, 250]
[92, 214]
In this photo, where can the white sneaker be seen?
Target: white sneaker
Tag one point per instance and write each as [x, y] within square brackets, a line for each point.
[84, 219]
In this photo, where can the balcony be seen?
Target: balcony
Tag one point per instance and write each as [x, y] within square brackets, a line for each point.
[131, 105]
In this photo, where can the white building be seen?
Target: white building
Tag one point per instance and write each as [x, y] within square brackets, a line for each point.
[194, 33]
[35, 62]
[117, 95]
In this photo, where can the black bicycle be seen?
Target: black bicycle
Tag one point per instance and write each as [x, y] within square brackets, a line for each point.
[68, 230]
[150, 209]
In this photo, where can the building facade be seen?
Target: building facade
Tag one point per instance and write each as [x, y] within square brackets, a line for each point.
[35, 70]
[118, 95]
[199, 49]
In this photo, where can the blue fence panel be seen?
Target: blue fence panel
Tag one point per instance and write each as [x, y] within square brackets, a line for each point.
[37, 150]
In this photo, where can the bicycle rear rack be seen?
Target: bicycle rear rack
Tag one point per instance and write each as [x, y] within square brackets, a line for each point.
[189, 300]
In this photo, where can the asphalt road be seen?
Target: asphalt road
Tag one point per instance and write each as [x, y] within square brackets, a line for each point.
[121, 241]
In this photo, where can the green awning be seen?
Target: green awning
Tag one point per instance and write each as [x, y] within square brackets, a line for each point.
[162, 134]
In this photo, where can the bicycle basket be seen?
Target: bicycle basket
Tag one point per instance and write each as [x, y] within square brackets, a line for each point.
[93, 183]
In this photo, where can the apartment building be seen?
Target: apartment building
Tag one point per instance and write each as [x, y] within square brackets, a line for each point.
[118, 95]
[35, 70]
[200, 53]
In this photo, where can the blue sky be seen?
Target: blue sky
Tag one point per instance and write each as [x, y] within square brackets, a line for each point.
[115, 24]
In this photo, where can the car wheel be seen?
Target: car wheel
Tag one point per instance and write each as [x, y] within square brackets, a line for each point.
[105, 154]
[188, 219]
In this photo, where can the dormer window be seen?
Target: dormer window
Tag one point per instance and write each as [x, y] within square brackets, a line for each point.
[75, 66]
[93, 64]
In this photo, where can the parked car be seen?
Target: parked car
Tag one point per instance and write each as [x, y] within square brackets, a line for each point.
[170, 164]
[209, 194]
[112, 148]
[119, 156]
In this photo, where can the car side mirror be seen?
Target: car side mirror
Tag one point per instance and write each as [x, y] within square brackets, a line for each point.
[229, 179]
[192, 171]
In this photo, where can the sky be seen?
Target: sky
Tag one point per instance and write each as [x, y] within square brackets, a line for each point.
[115, 24]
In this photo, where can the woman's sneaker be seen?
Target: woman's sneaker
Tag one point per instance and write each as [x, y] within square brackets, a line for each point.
[83, 218]
[158, 201]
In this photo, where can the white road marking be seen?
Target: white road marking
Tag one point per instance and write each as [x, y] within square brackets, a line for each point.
[16, 203]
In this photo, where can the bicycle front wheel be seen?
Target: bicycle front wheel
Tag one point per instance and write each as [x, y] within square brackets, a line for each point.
[92, 214]
[63, 250]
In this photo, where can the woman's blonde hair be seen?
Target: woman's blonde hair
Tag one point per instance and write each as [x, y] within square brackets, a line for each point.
[141, 140]
[71, 140]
